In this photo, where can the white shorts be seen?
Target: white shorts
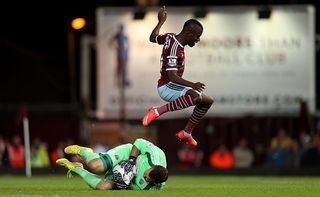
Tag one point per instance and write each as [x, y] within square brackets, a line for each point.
[171, 91]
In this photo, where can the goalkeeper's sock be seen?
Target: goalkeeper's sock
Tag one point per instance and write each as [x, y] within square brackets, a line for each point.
[88, 155]
[91, 179]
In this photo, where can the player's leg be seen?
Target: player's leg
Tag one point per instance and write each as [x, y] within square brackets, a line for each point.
[176, 95]
[112, 157]
[105, 185]
[91, 179]
[199, 111]
[115, 155]
[92, 159]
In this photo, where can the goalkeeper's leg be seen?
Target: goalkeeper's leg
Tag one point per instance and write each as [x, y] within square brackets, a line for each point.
[91, 179]
[93, 160]
[84, 152]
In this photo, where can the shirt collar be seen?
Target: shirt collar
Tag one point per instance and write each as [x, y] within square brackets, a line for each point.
[174, 37]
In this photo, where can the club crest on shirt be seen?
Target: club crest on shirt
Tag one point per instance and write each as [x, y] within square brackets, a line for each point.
[141, 181]
[116, 157]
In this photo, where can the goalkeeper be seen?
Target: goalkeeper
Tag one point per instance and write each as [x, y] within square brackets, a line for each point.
[144, 162]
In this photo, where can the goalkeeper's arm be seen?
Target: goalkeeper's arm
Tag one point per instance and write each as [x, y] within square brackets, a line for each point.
[135, 152]
[129, 164]
[139, 146]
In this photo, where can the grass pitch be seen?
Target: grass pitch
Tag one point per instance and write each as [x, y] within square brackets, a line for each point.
[177, 186]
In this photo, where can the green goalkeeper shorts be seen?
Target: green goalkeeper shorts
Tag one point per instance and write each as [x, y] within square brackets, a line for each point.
[113, 156]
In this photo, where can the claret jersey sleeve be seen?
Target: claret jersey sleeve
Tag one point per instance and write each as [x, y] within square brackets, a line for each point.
[161, 39]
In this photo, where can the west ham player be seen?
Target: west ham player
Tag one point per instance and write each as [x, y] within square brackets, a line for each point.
[150, 162]
[180, 93]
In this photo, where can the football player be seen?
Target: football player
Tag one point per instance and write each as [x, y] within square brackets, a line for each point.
[177, 91]
[148, 160]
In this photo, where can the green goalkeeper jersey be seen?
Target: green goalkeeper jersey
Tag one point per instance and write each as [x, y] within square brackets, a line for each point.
[150, 155]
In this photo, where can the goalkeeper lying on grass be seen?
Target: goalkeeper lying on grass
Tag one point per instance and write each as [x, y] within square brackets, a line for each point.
[138, 166]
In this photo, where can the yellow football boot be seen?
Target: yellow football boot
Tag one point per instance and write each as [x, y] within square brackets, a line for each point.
[75, 149]
[69, 165]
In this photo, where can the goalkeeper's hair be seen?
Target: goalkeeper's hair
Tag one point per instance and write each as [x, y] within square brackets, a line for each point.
[159, 174]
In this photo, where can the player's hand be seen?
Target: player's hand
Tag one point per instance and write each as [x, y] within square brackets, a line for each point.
[118, 181]
[199, 86]
[128, 165]
[162, 14]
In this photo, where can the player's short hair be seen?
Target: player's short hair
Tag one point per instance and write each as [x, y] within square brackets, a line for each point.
[159, 174]
[191, 23]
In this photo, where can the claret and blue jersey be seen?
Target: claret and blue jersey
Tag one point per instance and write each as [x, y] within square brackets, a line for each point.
[172, 57]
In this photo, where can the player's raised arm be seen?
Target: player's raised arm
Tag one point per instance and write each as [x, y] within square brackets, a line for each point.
[162, 16]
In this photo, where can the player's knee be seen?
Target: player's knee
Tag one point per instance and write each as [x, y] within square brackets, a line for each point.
[210, 100]
[196, 99]
[96, 166]
[207, 100]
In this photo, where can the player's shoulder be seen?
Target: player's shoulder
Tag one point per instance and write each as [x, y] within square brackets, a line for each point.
[171, 35]
[168, 35]
[143, 142]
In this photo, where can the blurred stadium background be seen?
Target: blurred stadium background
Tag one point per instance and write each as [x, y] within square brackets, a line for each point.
[262, 72]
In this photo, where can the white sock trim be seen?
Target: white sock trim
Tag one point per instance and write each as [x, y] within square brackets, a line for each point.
[156, 110]
[186, 134]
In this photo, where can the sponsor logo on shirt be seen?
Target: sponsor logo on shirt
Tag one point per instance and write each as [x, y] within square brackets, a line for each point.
[141, 181]
[172, 62]
[116, 157]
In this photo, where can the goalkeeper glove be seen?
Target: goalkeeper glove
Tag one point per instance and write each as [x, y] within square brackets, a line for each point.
[118, 181]
[129, 164]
